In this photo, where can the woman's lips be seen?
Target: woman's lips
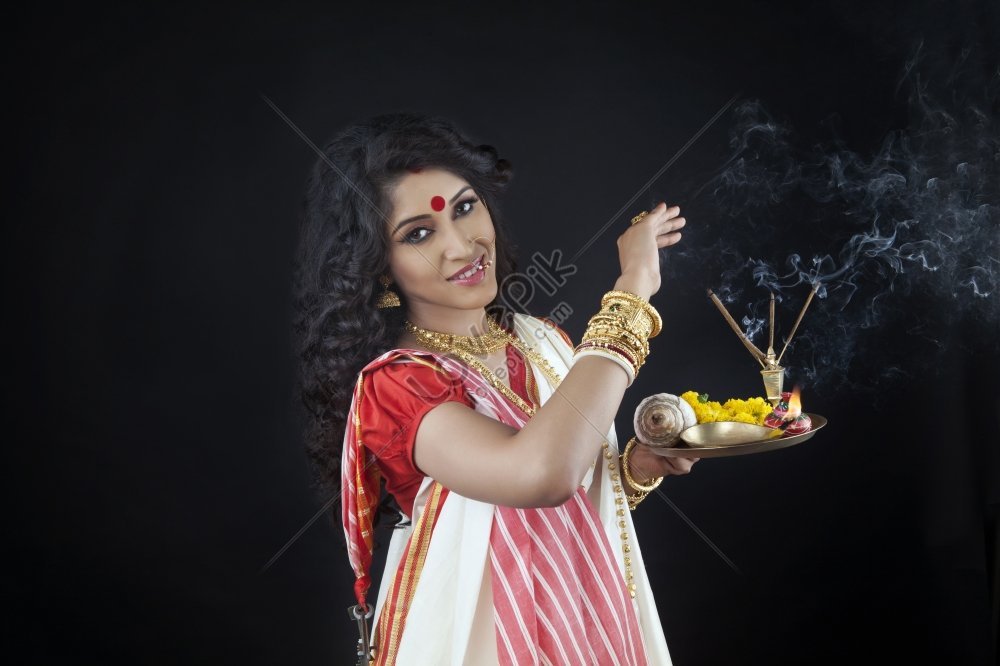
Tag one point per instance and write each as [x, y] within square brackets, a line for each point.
[478, 263]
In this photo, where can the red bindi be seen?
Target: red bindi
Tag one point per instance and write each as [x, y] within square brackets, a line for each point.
[437, 202]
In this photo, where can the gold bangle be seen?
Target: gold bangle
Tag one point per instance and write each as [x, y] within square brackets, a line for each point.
[617, 323]
[628, 315]
[647, 488]
[635, 321]
[638, 309]
[637, 301]
[633, 313]
[619, 336]
[598, 331]
[634, 500]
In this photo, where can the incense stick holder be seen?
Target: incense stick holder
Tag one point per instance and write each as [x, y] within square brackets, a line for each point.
[774, 380]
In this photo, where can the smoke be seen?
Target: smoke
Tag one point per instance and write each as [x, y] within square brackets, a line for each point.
[906, 238]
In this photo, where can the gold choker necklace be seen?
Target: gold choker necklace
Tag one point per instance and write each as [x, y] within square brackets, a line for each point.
[468, 347]
[495, 339]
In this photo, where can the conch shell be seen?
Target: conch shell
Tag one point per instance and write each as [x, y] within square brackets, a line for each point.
[660, 418]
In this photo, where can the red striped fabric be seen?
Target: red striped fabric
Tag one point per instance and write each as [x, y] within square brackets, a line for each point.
[559, 596]
[359, 497]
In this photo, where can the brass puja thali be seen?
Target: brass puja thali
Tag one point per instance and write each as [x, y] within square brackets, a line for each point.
[731, 438]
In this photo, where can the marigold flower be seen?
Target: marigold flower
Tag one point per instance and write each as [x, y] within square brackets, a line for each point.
[752, 410]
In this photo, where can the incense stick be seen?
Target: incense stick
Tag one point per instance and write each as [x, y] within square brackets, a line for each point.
[797, 322]
[770, 341]
[756, 353]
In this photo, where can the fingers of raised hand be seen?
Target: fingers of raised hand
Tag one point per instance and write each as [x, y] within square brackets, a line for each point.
[672, 224]
[668, 233]
[664, 221]
[662, 212]
[666, 218]
[670, 212]
[662, 218]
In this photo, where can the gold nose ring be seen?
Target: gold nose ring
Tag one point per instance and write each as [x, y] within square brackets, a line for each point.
[493, 242]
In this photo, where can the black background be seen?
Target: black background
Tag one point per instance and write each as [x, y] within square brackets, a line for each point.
[155, 447]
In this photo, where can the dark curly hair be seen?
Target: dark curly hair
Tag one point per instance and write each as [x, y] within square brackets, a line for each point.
[343, 250]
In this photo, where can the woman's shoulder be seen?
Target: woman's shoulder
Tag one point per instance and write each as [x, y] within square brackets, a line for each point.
[412, 376]
[412, 359]
[393, 397]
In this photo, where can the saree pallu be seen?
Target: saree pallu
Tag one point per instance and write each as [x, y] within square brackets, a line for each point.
[473, 583]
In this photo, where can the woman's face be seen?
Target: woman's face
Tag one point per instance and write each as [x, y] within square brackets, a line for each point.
[437, 227]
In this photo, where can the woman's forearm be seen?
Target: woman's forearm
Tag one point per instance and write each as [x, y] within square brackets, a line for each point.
[566, 433]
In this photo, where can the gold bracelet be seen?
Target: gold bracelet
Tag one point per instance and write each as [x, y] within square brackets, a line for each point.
[626, 297]
[636, 301]
[621, 330]
[608, 332]
[617, 324]
[612, 332]
[647, 488]
[633, 500]
[630, 314]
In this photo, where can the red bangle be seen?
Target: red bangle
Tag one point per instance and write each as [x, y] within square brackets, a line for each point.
[610, 346]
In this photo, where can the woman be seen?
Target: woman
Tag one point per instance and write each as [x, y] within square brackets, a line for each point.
[515, 545]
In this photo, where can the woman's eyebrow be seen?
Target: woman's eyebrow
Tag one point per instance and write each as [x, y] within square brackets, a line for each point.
[425, 215]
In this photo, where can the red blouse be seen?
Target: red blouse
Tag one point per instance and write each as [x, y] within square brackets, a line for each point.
[396, 397]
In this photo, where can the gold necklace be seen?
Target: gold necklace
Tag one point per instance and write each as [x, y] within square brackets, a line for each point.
[445, 342]
[487, 343]
[466, 348]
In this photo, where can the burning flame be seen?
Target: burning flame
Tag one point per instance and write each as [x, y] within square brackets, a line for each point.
[794, 404]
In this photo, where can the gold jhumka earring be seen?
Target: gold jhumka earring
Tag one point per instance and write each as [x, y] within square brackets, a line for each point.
[388, 298]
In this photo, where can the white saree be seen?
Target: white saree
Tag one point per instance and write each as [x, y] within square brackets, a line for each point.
[451, 615]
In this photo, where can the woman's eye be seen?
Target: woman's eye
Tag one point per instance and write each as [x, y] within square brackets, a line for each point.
[461, 207]
[410, 238]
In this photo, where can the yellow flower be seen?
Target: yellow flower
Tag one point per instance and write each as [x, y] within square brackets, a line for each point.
[752, 410]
